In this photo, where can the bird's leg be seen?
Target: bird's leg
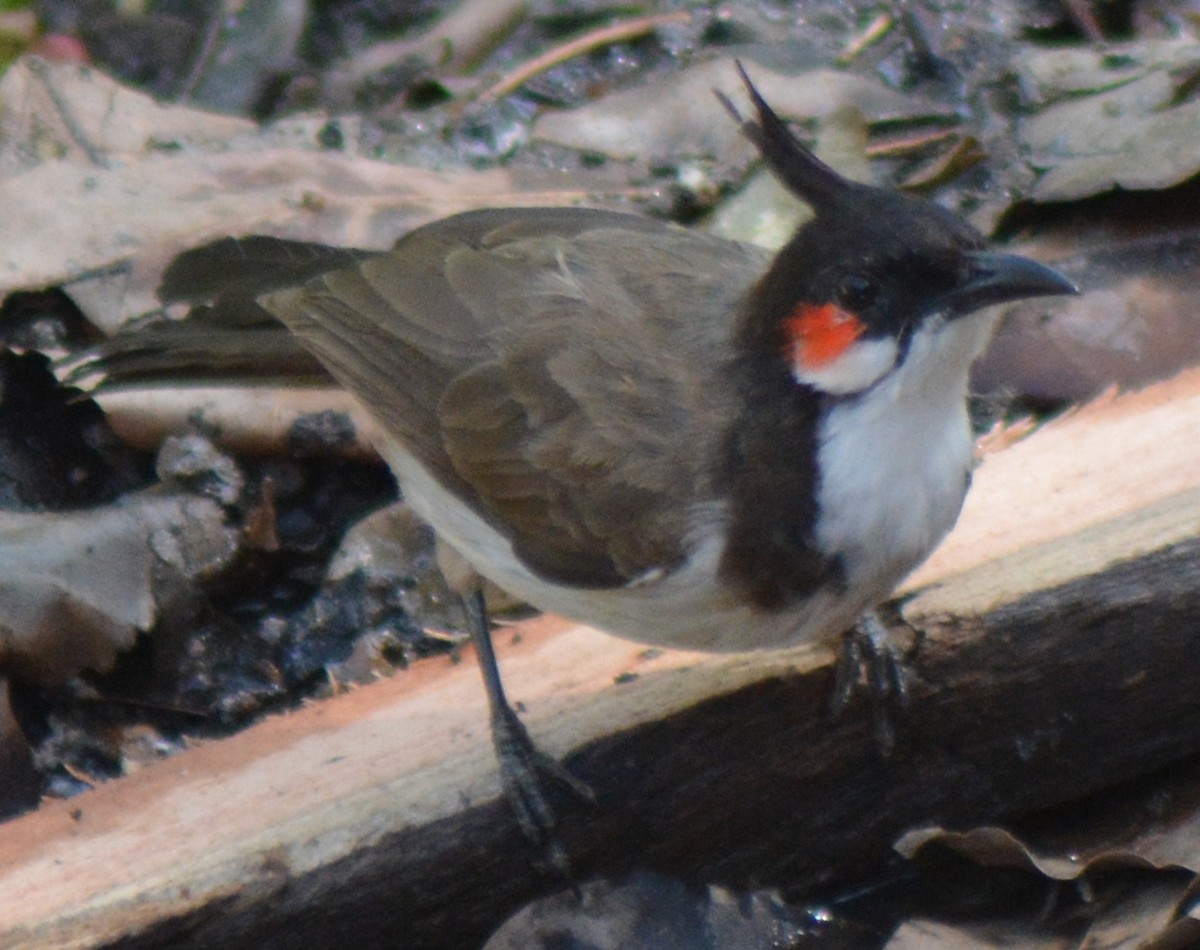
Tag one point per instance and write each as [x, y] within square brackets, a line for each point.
[869, 652]
[522, 764]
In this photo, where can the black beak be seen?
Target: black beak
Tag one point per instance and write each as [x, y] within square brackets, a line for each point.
[998, 278]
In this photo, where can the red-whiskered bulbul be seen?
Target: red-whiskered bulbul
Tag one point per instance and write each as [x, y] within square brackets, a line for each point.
[676, 438]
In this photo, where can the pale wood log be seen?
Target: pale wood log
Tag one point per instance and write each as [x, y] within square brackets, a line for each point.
[249, 420]
[1059, 624]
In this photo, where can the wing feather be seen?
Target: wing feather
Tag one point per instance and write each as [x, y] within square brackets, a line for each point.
[559, 371]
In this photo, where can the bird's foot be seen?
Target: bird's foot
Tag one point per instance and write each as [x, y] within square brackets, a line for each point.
[871, 660]
[526, 774]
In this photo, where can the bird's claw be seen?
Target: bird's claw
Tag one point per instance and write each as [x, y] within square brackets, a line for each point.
[871, 660]
[524, 771]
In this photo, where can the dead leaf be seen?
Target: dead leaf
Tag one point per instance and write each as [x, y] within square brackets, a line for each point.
[145, 181]
[997, 847]
[1135, 324]
[1113, 119]
[991, 847]
[673, 115]
[1053, 75]
[76, 113]
[1151, 825]
[76, 587]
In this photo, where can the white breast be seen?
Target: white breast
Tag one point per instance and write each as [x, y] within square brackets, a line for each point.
[895, 463]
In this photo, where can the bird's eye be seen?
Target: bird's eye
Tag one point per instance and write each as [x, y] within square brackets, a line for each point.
[856, 292]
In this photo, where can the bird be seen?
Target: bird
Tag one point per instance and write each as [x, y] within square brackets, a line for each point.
[676, 438]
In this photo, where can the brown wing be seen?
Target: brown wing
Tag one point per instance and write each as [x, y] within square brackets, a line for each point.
[560, 369]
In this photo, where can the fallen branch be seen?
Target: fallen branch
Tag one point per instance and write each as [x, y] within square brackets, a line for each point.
[616, 33]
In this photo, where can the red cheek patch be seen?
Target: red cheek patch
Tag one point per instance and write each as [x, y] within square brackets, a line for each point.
[817, 334]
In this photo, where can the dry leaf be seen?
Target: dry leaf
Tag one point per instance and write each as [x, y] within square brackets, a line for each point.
[673, 114]
[997, 847]
[144, 181]
[1129, 132]
[1135, 323]
[76, 587]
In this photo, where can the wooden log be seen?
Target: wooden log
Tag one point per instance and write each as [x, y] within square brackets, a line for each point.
[1056, 657]
[249, 420]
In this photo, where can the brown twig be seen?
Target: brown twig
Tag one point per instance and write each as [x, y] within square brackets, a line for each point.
[209, 43]
[94, 154]
[965, 153]
[616, 33]
[909, 144]
[876, 30]
[1081, 13]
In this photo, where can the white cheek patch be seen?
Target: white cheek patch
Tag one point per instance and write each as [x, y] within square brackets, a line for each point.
[861, 365]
